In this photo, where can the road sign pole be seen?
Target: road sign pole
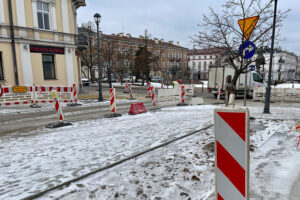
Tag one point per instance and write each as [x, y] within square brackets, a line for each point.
[268, 90]
[245, 88]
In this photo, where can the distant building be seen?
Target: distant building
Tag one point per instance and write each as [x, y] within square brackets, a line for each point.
[298, 69]
[201, 59]
[41, 48]
[171, 59]
[284, 67]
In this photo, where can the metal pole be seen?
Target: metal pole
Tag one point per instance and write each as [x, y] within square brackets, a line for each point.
[245, 88]
[268, 91]
[109, 66]
[91, 52]
[192, 68]
[99, 69]
[13, 45]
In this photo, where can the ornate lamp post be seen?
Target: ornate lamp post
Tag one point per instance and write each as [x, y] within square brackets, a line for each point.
[97, 18]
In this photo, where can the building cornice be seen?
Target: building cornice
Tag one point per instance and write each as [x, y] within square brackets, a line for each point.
[78, 3]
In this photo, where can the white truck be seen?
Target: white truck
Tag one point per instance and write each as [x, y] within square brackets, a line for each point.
[217, 76]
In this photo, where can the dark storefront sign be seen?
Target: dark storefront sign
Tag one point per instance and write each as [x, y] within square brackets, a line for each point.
[47, 49]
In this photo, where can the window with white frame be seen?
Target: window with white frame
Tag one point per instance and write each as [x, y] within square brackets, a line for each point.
[43, 15]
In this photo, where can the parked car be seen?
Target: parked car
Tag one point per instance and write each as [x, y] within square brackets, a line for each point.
[85, 81]
[113, 80]
[157, 79]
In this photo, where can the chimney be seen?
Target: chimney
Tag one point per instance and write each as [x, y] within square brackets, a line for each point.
[141, 37]
[178, 44]
[121, 34]
[171, 42]
[156, 40]
[128, 35]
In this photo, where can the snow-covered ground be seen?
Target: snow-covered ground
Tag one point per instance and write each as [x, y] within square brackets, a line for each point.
[181, 170]
[48, 107]
[288, 85]
[205, 84]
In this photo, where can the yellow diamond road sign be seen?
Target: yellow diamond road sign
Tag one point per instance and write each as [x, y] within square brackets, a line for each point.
[247, 25]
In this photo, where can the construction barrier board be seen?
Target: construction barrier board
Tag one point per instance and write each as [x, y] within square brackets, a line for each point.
[137, 108]
[232, 128]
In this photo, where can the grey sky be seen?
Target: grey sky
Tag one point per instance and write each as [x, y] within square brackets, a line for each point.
[174, 19]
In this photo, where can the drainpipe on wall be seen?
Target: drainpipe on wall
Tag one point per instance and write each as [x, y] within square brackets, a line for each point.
[13, 45]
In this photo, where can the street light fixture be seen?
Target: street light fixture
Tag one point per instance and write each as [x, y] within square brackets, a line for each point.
[97, 18]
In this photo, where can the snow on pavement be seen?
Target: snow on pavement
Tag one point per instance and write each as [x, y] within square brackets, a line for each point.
[44, 158]
[185, 169]
[182, 170]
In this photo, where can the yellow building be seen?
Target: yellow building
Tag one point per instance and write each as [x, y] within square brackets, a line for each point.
[37, 42]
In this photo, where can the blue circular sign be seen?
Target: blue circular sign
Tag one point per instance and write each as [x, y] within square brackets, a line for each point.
[247, 50]
[252, 68]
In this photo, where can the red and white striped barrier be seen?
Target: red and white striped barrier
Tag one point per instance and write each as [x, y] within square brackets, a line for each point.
[182, 94]
[219, 93]
[232, 153]
[149, 88]
[112, 92]
[36, 95]
[153, 96]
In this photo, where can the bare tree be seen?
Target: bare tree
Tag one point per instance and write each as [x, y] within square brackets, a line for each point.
[222, 31]
[145, 60]
[88, 53]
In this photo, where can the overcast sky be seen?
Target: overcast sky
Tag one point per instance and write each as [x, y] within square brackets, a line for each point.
[174, 19]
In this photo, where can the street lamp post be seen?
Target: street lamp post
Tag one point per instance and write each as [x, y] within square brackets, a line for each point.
[192, 68]
[268, 90]
[97, 18]
[109, 66]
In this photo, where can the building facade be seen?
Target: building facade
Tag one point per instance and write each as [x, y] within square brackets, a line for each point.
[37, 43]
[284, 66]
[170, 59]
[200, 60]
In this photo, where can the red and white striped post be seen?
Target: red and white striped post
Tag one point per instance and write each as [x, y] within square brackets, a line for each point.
[59, 110]
[219, 93]
[1, 90]
[130, 91]
[149, 89]
[232, 153]
[113, 107]
[162, 85]
[153, 96]
[75, 94]
[112, 92]
[182, 94]
[298, 130]
[126, 90]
